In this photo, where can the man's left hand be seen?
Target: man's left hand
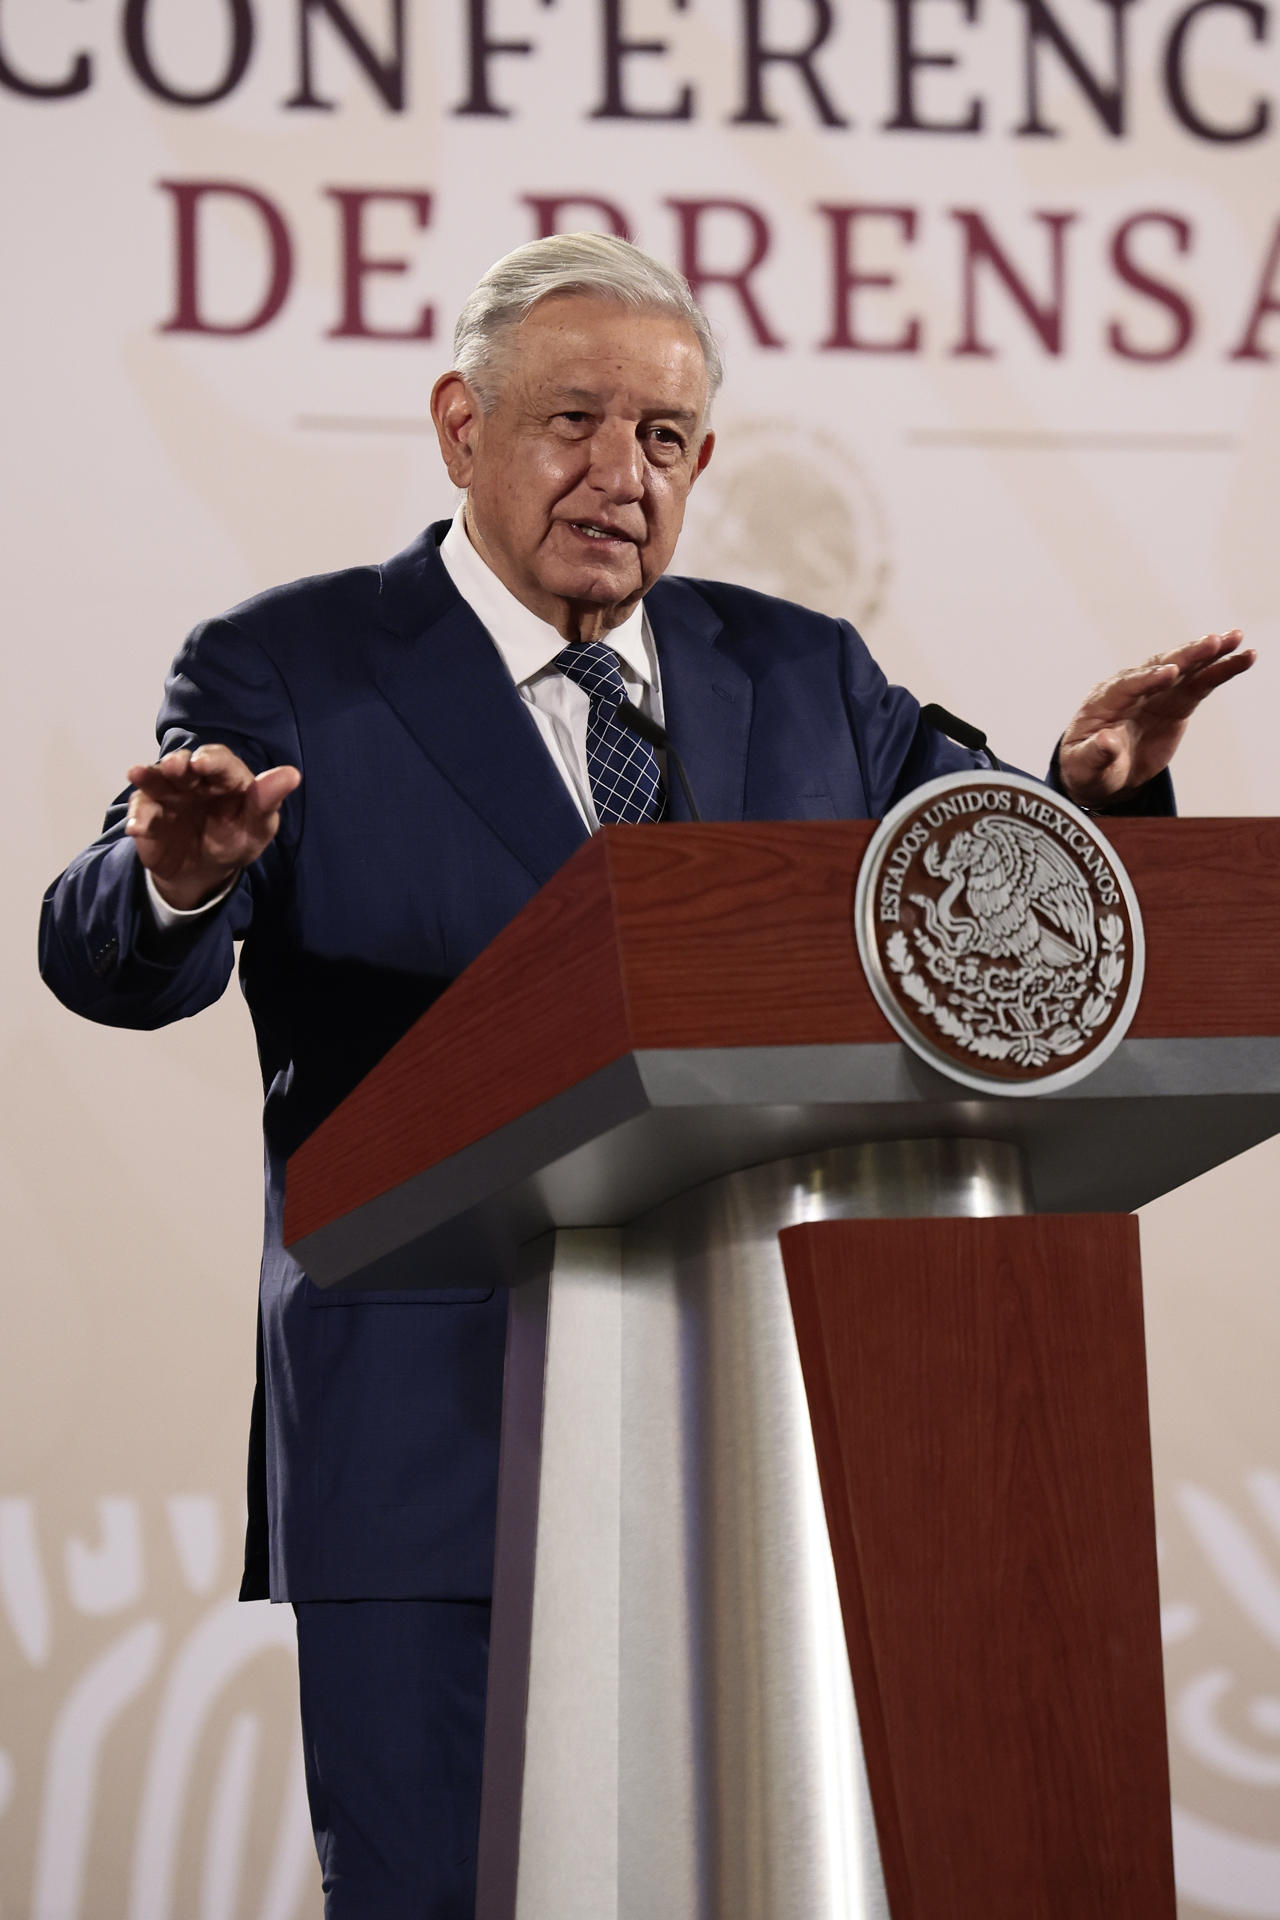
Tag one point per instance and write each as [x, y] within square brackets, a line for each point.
[1129, 727]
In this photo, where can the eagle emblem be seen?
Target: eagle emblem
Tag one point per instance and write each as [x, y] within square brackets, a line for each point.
[999, 932]
[1022, 898]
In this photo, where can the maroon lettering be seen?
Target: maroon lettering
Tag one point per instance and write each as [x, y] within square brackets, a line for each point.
[981, 249]
[239, 50]
[1106, 97]
[1175, 81]
[385, 73]
[189, 196]
[908, 60]
[1164, 295]
[76, 80]
[1267, 302]
[358, 266]
[549, 210]
[617, 50]
[847, 279]
[481, 49]
[690, 214]
[757, 57]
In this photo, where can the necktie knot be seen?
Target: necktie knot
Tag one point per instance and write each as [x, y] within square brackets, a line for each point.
[623, 771]
[594, 665]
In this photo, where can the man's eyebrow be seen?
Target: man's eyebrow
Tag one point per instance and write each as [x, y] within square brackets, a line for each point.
[586, 397]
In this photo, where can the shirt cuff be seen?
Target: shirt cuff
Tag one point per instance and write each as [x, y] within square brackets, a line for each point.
[167, 917]
[1153, 801]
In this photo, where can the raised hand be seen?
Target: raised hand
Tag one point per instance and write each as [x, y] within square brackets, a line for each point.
[1129, 727]
[198, 817]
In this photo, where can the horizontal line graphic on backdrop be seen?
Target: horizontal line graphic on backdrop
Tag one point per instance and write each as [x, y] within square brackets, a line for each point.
[1101, 440]
[363, 423]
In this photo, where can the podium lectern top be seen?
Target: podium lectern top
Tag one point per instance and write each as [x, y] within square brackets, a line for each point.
[714, 1015]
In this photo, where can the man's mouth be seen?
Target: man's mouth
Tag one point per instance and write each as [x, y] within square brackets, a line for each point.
[594, 530]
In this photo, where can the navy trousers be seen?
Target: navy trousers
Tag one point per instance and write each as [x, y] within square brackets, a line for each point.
[392, 1731]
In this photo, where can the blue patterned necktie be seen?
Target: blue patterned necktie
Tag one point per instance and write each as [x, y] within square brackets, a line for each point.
[626, 783]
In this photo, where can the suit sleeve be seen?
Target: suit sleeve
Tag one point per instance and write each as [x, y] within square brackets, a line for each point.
[900, 750]
[1153, 800]
[100, 951]
[897, 748]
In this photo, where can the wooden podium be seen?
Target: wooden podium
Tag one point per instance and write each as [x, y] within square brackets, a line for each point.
[664, 1081]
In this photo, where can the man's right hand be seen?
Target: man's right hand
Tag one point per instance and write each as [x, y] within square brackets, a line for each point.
[198, 817]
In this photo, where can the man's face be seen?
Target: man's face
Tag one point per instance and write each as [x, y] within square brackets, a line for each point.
[577, 480]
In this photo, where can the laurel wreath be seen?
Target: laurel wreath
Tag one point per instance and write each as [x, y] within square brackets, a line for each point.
[1029, 1049]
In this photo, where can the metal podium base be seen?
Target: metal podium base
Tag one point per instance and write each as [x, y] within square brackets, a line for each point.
[671, 1729]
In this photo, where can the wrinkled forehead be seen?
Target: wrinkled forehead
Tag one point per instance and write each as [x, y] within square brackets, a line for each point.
[604, 350]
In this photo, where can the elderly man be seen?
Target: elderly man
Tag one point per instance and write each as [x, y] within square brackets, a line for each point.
[454, 713]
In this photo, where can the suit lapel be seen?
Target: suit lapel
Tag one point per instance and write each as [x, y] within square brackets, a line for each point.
[436, 665]
[706, 702]
[438, 668]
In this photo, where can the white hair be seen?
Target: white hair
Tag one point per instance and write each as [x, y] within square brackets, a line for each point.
[592, 263]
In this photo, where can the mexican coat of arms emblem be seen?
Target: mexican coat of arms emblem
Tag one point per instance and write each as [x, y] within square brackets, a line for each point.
[999, 932]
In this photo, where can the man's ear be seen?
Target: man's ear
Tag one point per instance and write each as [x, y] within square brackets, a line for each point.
[705, 452]
[456, 415]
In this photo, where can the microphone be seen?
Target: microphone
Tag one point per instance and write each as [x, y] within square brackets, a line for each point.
[640, 723]
[960, 731]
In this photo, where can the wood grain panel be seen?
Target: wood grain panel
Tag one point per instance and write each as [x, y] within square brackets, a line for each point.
[490, 1049]
[741, 936]
[1210, 897]
[978, 1395]
[647, 936]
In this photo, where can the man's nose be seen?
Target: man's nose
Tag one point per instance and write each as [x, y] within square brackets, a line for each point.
[617, 462]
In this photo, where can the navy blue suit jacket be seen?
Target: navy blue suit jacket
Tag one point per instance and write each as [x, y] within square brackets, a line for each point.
[429, 814]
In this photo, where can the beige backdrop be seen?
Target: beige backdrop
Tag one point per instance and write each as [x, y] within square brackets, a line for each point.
[1006, 525]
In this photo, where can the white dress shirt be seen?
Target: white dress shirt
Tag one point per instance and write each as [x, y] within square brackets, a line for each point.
[527, 646]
